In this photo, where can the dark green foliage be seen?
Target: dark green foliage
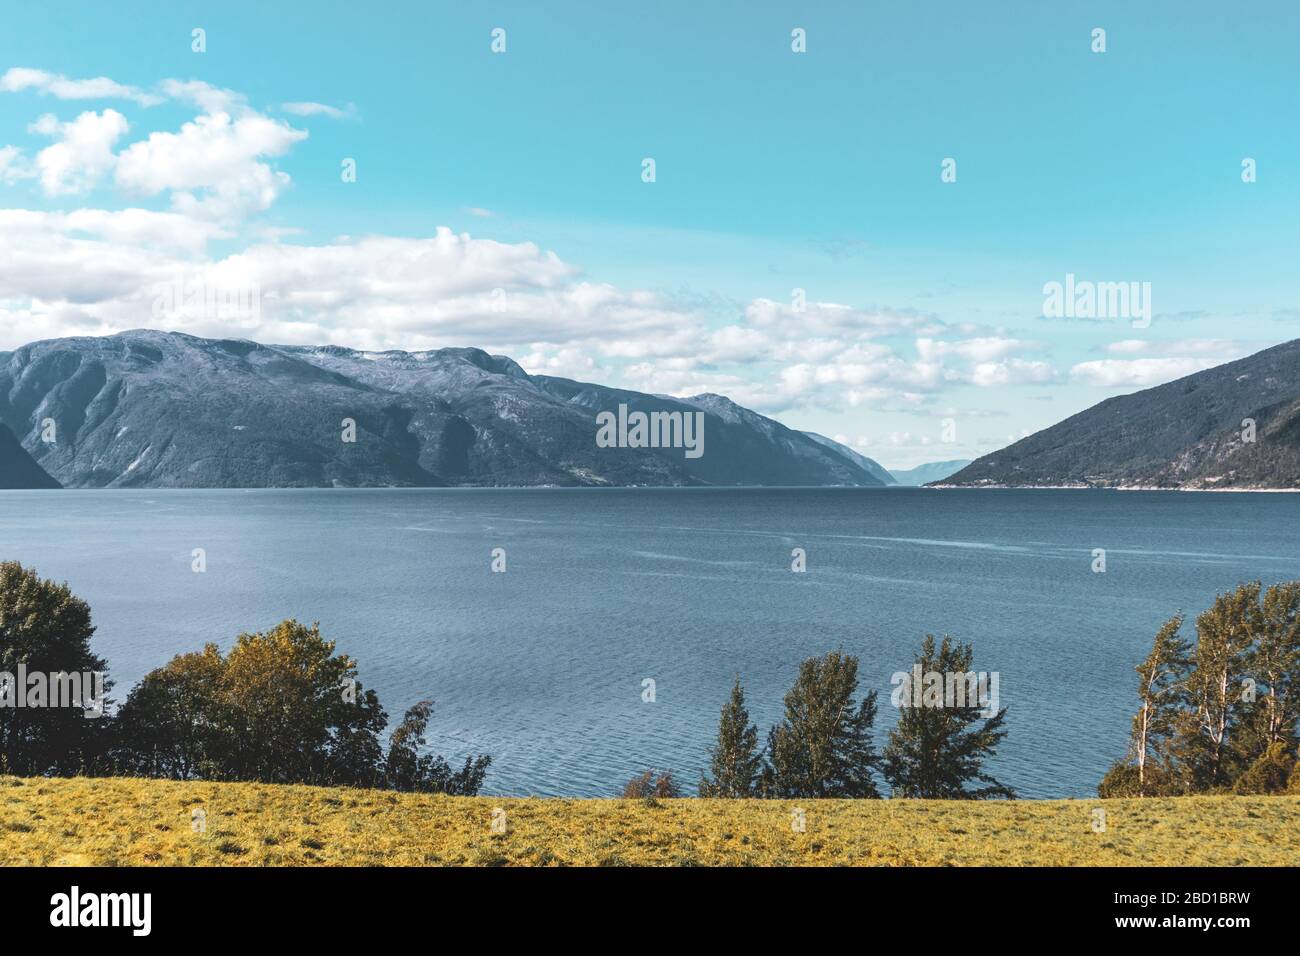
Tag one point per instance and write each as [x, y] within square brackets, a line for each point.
[736, 763]
[407, 767]
[1274, 663]
[1121, 780]
[280, 708]
[823, 746]
[1270, 773]
[938, 752]
[1162, 693]
[1207, 744]
[1221, 716]
[46, 628]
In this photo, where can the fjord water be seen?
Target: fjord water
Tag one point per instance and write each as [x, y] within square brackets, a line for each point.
[543, 666]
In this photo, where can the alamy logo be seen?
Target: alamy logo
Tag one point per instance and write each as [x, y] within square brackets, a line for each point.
[651, 430]
[37, 689]
[199, 298]
[103, 909]
[1083, 299]
[951, 689]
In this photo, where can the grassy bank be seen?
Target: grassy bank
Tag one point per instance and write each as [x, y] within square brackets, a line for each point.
[125, 822]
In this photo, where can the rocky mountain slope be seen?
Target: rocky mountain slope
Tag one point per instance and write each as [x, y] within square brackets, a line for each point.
[870, 465]
[154, 409]
[1188, 433]
[17, 468]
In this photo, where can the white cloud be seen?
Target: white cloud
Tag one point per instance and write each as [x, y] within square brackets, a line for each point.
[213, 166]
[83, 153]
[211, 99]
[18, 78]
[1224, 349]
[1142, 372]
[318, 109]
[985, 349]
[94, 269]
[1011, 372]
[12, 165]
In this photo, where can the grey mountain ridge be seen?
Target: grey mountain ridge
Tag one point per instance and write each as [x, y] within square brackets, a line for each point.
[930, 471]
[1186, 434]
[161, 409]
[868, 464]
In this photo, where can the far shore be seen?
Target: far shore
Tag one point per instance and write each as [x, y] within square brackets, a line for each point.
[935, 487]
[1100, 488]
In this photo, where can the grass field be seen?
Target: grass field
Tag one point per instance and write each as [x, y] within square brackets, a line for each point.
[124, 822]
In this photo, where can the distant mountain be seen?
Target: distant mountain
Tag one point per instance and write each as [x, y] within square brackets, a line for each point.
[156, 409]
[932, 471]
[1185, 434]
[17, 468]
[868, 465]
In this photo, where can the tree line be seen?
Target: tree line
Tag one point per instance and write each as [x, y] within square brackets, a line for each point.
[280, 707]
[1218, 715]
[823, 746]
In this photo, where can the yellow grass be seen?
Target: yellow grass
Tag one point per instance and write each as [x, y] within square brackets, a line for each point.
[126, 822]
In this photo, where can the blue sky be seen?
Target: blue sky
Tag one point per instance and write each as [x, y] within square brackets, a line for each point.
[775, 171]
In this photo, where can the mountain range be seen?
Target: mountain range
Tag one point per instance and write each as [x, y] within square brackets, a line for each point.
[169, 410]
[163, 409]
[1236, 425]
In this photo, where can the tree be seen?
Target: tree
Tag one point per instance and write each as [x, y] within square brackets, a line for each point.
[823, 748]
[1161, 679]
[1205, 742]
[1274, 661]
[736, 763]
[648, 786]
[407, 767]
[46, 630]
[174, 723]
[281, 707]
[938, 748]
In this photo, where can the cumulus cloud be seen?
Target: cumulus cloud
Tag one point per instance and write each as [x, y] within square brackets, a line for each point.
[1011, 372]
[82, 154]
[213, 166]
[95, 269]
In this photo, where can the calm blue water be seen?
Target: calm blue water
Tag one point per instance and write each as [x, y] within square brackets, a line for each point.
[542, 666]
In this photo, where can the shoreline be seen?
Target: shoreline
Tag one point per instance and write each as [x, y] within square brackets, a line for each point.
[1000, 487]
[695, 488]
